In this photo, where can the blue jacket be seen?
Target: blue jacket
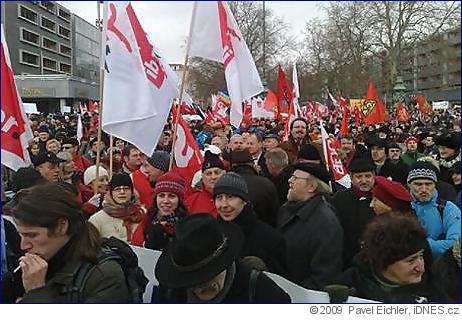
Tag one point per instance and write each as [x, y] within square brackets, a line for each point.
[441, 235]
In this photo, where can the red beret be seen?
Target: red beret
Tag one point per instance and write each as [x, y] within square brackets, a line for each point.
[392, 193]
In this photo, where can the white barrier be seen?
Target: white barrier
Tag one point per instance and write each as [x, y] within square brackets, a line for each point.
[147, 260]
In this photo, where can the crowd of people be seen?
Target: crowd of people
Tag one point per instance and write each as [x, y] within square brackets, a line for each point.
[258, 203]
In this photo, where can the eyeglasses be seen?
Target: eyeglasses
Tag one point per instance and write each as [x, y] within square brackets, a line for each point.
[122, 188]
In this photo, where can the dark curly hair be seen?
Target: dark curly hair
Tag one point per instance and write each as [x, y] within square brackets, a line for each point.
[391, 237]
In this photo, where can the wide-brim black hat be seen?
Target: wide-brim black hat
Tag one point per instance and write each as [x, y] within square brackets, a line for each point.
[202, 248]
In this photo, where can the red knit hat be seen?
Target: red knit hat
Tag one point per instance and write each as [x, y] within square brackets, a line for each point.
[170, 182]
[392, 193]
[410, 139]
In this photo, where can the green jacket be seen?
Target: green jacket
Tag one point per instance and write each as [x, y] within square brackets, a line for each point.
[106, 284]
[410, 158]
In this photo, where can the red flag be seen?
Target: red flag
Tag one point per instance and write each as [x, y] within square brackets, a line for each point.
[372, 108]
[271, 103]
[424, 107]
[209, 119]
[333, 161]
[92, 106]
[285, 98]
[247, 114]
[188, 158]
[220, 109]
[16, 131]
[401, 113]
[186, 109]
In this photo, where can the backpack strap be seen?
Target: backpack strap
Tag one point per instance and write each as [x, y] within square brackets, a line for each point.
[441, 204]
[254, 274]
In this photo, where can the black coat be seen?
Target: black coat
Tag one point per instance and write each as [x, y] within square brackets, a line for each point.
[262, 241]
[369, 286]
[12, 287]
[354, 214]
[446, 275]
[262, 194]
[314, 240]
[266, 290]
[282, 183]
[398, 172]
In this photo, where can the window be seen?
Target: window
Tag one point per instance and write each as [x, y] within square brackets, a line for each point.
[64, 32]
[49, 64]
[29, 58]
[48, 24]
[29, 37]
[66, 68]
[27, 14]
[48, 5]
[49, 44]
[65, 50]
[64, 14]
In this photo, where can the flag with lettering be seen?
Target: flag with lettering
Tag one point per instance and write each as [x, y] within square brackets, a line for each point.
[215, 35]
[139, 85]
[334, 162]
[16, 131]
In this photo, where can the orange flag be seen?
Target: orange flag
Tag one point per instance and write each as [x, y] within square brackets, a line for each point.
[401, 113]
[424, 107]
[372, 108]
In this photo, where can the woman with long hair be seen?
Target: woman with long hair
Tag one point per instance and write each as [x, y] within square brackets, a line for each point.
[167, 210]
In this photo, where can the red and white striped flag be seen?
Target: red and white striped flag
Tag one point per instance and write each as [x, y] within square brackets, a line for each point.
[16, 131]
[215, 35]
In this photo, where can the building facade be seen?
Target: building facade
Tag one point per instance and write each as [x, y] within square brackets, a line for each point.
[48, 48]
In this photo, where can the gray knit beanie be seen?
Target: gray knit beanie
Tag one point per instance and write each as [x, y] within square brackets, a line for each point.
[160, 160]
[231, 183]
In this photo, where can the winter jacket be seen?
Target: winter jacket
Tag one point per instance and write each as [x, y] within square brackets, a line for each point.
[314, 240]
[262, 194]
[262, 241]
[410, 158]
[143, 187]
[281, 182]
[397, 171]
[371, 286]
[354, 213]
[266, 290]
[446, 273]
[445, 166]
[201, 202]
[292, 148]
[441, 234]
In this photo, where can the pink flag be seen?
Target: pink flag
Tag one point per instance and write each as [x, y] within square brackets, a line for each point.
[188, 158]
[139, 85]
[336, 167]
[215, 35]
[16, 131]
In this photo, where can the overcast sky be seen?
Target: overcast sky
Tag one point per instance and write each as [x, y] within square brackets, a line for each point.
[167, 22]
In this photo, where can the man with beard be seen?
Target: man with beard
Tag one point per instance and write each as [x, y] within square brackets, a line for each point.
[352, 207]
[132, 159]
[394, 166]
[144, 179]
[440, 218]
[297, 138]
[311, 229]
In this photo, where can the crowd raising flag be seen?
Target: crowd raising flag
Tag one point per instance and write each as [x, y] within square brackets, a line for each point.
[215, 35]
[16, 131]
[139, 85]
[333, 162]
[372, 108]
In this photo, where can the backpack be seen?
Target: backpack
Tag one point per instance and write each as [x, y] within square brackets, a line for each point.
[112, 249]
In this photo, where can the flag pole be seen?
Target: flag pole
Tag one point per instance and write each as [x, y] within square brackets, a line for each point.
[100, 105]
[111, 143]
[183, 80]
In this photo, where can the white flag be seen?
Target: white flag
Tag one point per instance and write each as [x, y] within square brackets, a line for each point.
[79, 128]
[215, 35]
[296, 91]
[139, 85]
[258, 109]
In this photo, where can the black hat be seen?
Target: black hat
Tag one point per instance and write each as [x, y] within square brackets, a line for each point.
[160, 160]
[272, 135]
[376, 141]
[201, 249]
[120, 179]
[25, 177]
[241, 157]
[450, 140]
[393, 145]
[308, 151]
[361, 164]
[211, 161]
[71, 141]
[43, 129]
[46, 157]
[231, 183]
[422, 170]
[319, 171]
